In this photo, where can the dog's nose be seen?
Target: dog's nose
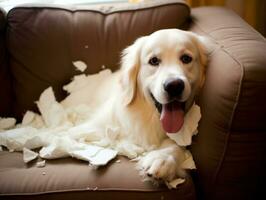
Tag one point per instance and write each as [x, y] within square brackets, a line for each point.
[174, 87]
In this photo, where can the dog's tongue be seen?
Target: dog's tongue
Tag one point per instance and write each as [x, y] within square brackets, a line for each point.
[172, 117]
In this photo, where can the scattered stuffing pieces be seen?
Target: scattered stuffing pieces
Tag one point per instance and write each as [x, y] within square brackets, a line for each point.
[86, 46]
[7, 123]
[43, 173]
[41, 164]
[80, 65]
[29, 155]
[118, 161]
[103, 67]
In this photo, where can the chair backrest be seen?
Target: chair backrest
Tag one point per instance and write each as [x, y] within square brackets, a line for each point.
[43, 41]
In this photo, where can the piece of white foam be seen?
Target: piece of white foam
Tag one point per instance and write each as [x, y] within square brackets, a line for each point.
[174, 183]
[28, 118]
[188, 163]
[29, 155]
[59, 147]
[15, 139]
[88, 152]
[78, 82]
[36, 141]
[97, 156]
[88, 82]
[103, 157]
[52, 112]
[184, 136]
[52, 152]
[7, 123]
[41, 164]
[80, 65]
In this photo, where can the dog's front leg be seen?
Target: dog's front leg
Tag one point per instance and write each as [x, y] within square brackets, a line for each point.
[163, 163]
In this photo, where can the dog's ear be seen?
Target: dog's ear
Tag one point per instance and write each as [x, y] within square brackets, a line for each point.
[130, 64]
[205, 47]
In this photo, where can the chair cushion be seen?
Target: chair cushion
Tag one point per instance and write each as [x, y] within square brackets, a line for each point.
[73, 179]
[43, 41]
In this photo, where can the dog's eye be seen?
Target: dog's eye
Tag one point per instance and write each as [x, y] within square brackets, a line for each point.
[154, 61]
[186, 59]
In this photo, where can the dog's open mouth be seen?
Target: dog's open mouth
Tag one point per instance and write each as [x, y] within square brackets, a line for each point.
[172, 115]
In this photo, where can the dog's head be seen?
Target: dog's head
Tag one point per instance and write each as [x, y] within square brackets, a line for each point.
[167, 67]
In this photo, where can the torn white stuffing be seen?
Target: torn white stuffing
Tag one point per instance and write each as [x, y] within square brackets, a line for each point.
[15, 139]
[174, 183]
[188, 163]
[88, 152]
[95, 155]
[7, 123]
[37, 122]
[29, 155]
[41, 164]
[52, 112]
[28, 118]
[89, 82]
[80, 65]
[78, 82]
[60, 147]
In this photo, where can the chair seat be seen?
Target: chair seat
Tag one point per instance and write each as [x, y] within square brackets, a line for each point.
[73, 179]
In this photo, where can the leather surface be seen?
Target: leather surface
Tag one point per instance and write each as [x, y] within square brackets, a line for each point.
[74, 178]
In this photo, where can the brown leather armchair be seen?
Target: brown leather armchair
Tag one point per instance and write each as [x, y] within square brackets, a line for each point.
[37, 46]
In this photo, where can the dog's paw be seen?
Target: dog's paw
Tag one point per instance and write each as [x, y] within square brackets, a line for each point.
[158, 166]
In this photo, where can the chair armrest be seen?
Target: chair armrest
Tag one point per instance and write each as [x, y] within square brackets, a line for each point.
[230, 148]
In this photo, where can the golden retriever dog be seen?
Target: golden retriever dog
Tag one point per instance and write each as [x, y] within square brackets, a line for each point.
[149, 96]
